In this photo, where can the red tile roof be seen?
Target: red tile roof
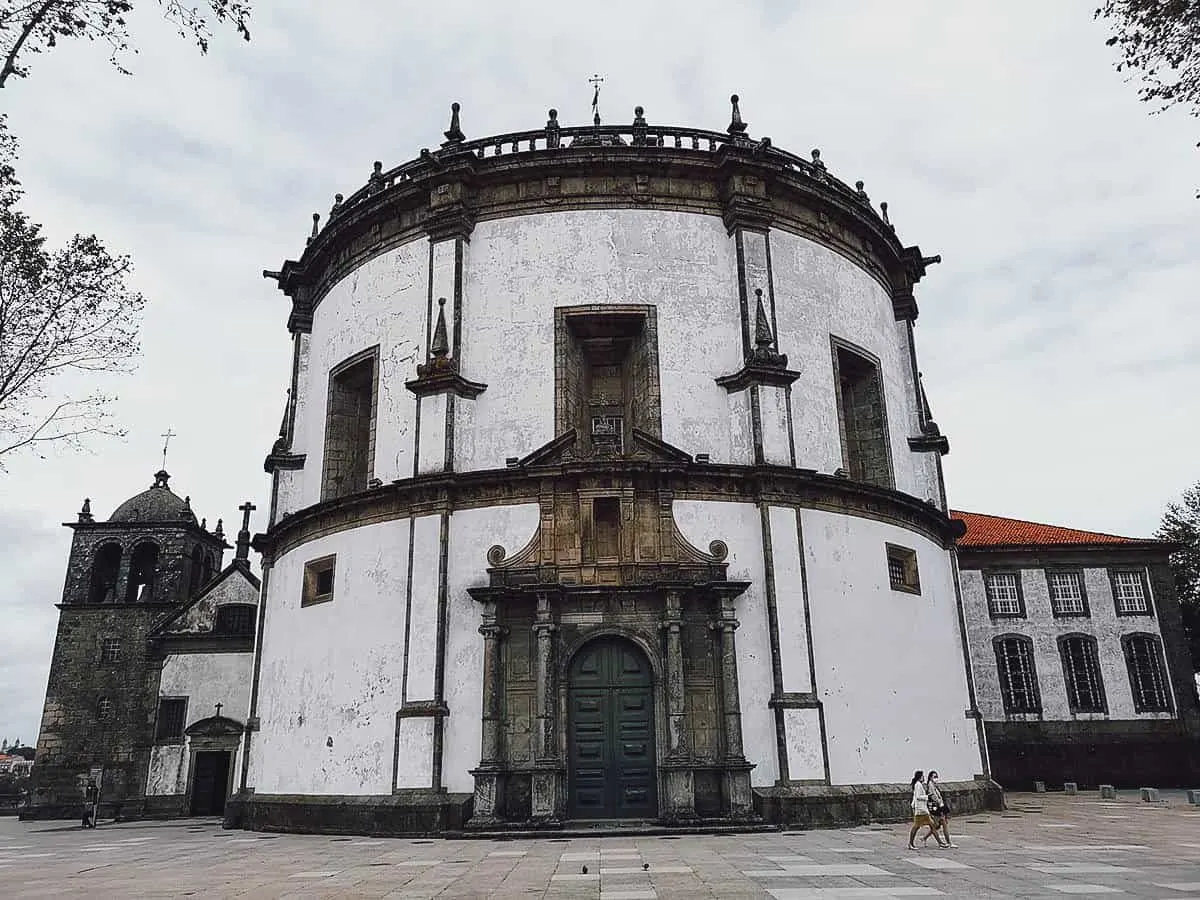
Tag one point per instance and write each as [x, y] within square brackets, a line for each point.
[997, 531]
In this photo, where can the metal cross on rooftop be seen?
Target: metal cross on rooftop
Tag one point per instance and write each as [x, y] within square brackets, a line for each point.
[245, 509]
[218, 706]
[596, 80]
[166, 442]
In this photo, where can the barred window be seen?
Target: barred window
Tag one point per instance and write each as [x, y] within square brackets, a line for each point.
[110, 650]
[235, 619]
[1066, 593]
[1081, 667]
[1018, 674]
[172, 713]
[1004, 593]
[1129, 592]
[1147, 673]
[104, 708]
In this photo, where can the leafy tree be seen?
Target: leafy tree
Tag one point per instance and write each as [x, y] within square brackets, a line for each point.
[61, 310]
[1181, 523]
[1159, 41]
[29, 27]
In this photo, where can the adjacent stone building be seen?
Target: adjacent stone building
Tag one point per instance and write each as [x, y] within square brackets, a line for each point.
[1080, 662]
[147, 620]
[606, 489]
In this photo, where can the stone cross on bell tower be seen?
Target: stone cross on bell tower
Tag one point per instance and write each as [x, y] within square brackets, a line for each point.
[243, 538]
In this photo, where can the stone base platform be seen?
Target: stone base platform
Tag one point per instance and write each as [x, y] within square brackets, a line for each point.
[386, 815]
[836, 806]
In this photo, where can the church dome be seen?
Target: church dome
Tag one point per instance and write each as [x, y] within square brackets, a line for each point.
[158, 503]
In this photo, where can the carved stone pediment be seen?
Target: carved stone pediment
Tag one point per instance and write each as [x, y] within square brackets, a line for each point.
[565, 448]
[604, 531]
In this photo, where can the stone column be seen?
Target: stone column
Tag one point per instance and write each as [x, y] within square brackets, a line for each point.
[487, 775]
[680, 795]
[545, 800]
[737, 770]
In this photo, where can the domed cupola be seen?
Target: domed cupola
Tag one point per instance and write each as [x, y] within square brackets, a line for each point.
[158, 503]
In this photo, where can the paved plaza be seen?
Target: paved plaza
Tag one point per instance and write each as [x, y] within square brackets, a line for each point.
[1043, 845]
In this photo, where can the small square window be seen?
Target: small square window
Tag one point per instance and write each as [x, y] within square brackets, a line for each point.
[110, 650]
[1003, 591]
[1130, 593]
[104, 709]
[172, 714]
[902, 569]
[1067, 596]
[318, 581]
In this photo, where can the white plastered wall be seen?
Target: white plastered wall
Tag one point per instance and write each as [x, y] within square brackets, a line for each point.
[817, 294]
[521, 268]
[472, 532]
[332, 672]
[890, 668]
[206, 679]
[385, 302]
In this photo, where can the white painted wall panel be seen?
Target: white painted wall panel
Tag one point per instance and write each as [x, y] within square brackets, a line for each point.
[422, 641]
[432, 451]
[382, 302]
[803, 730]
[890, 666]
[334, 670]
[522, 268]
[738, 525]
[472, 532]
[789, 601]
[818, 293]
[773, 413]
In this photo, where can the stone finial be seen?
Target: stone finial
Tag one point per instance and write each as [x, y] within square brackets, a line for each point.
[337, 205]
[204, 524]
[219, 531]
[883, 212]
[243, 539]
[454, 134]
[860, 193]
[639, 126]
[439, 348]
[737, 128]
[85, 511]
[553, 138]
[316, 227]
[375, 182]
[817, 164]
[187, 503]
[764, 341]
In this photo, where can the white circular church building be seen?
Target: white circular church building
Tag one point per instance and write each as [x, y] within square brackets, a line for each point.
[606, 489]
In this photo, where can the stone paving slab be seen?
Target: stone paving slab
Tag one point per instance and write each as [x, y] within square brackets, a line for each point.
[1041, 846]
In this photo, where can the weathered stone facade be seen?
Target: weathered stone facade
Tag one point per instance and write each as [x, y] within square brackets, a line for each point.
[1136, 720]
[147, 565]
[667, 376]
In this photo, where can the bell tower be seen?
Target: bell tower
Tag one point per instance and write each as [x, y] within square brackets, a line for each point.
[123, 575]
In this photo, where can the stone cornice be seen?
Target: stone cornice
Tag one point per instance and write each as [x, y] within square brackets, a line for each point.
[449, 491]
[749, 185]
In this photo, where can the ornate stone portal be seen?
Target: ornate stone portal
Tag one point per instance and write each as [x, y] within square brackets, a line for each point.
[609, 576]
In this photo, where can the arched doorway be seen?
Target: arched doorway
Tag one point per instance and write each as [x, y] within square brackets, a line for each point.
[610, 733]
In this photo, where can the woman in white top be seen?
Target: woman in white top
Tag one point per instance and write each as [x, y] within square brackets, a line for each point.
[938, 810]
[920, 808]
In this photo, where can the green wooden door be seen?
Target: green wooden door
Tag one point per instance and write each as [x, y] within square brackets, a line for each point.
[611, 733]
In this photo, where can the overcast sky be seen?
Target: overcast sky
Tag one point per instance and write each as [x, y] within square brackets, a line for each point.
[1060, 337]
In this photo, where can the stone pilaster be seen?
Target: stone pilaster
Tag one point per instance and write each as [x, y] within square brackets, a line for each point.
[737, 770]
[487, 776]
[546, 777]
[679, 794]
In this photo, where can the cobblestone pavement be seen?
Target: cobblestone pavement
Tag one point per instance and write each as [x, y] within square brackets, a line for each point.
[1043, 845]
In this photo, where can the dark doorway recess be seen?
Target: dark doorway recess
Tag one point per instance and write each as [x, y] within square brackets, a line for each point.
[611, 771]
[210, 783]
